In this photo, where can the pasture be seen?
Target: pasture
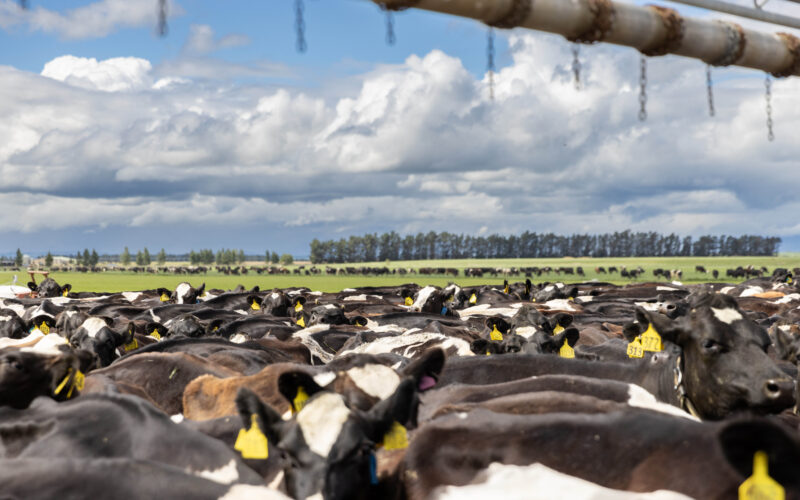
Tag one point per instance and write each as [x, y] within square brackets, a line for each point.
[114, 281]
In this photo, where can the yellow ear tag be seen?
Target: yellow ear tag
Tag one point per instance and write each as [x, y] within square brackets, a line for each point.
[44, 328]
[473, 299]
[487, 353]
[495, 333]
[299, 400]
[164, 297]
[252, 442]
[409, 301]
[396, 438]
[301, 322]
[571, 299]
[505, 290]
[651, 340]
[789, 280]
[155, 334]
[760, 486]
[635, 349]
[566, 351]
[254, 306]
[78, 382]
[298, 307]
[65, 293]
[133, 345]
[558, 329]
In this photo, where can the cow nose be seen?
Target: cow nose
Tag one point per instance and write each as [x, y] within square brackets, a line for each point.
[776, 388]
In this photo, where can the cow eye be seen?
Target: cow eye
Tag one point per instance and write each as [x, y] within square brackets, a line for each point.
[711, 346]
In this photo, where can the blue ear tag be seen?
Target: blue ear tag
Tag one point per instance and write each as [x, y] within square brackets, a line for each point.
[444, 310]
[373, 469]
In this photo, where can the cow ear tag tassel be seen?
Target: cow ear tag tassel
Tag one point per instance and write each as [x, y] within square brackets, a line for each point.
[252, 443]
[760, 486]
[651, 340]
[396, 438]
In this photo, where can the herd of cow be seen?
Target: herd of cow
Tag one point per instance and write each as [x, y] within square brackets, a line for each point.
[586, 390]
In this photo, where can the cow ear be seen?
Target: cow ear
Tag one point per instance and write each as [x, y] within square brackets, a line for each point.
[781, 340]
[154, 326]
[201, 290]
[255, 289]
[213, 326]
[297, 384]
[269, 420]
[570, 334]
[740, 440]
[501, 324]
[400, 407]
[32, 286]
[425, 369]
[253, 302]
[632, 330]
[128, 333]
[40, 320]
[358, 321]
[479, 346]
[668, 329]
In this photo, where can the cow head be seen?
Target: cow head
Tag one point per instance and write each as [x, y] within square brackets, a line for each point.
[70, 320]
[328, 314]
[327, 447]
[186, 325]
[185, 294]
[26, 375]
[725, 365]
[49, 288]
[97, 336]
[11, 325]
[276, 303]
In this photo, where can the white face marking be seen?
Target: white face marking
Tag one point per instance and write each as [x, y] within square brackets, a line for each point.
[376, 380]
[226, 474]
[549, 288]
[181, 290]
[177, 418]
[275, 295]
[538, 482]
[321, 421]
[727, 315]
[93, 325]
[640, 398]
[526, 331]
[324, 378]
[422, 298]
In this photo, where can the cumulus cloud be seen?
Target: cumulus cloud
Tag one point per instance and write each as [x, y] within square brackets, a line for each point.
[417, 146]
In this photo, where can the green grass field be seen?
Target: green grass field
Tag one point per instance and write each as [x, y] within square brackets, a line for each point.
[114, 281]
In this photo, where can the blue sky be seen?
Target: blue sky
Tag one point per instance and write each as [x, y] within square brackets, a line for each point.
[222, 135]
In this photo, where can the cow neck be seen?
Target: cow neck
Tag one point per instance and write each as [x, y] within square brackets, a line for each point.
[683, 399]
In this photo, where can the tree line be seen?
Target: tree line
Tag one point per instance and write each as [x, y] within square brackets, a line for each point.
[432, 245]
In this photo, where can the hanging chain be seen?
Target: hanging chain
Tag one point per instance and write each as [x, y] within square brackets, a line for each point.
[162, 18]
[643, 89]
[576, 65]
[390, 37]
[490, 60]
[710, 90]
[300, 26]
[768, 97]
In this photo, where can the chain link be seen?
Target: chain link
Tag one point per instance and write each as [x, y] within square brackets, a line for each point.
[300, 26]
[162, 18]
[768, 97]
[576, 65]
[390, 36]
[490, 60]
[643, 89]
[710, 90]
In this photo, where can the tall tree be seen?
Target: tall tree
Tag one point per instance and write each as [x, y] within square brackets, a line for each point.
[18, 258]
[48, 260]
[125, 258]
[161, 258]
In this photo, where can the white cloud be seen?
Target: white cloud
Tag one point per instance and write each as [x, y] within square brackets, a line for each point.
[202, 41]
[112, 75]
[415, 147]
